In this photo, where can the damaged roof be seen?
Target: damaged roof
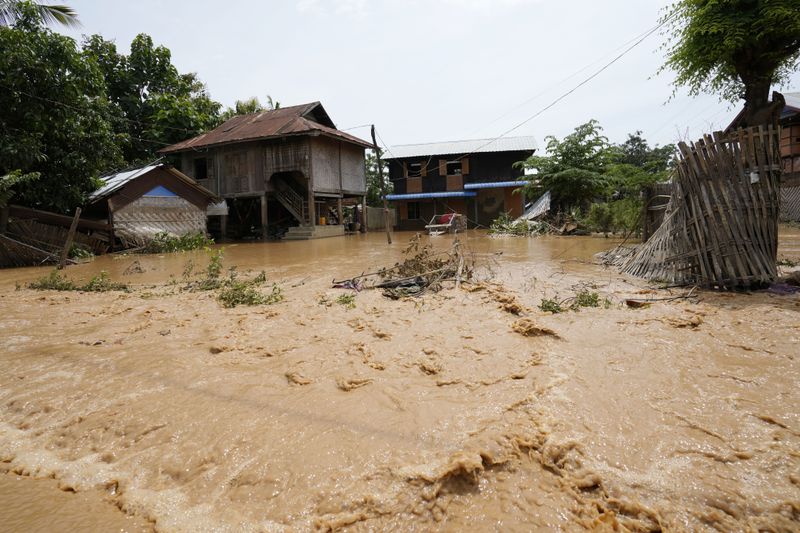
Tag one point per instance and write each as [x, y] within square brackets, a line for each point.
[472, 146]
[305, 119]
[114, 182]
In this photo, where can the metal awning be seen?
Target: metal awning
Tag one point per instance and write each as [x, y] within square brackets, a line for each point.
[425, 195]
[495, 184]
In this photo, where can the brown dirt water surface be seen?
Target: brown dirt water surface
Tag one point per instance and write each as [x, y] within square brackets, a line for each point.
[467, 409]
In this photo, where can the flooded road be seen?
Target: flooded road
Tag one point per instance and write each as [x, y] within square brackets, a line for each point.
[466, 409]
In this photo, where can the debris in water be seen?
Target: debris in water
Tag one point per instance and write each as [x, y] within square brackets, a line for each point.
[528, 328]
[348, 384]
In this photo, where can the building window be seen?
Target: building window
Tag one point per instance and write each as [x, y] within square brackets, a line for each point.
[201, 168]
[454, 168]
[413, 210]
[414, 170]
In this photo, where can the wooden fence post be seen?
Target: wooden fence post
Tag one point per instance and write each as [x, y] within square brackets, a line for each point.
[383, 188]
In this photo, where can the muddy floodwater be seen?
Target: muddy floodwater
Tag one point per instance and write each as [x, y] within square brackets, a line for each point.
[464, 410]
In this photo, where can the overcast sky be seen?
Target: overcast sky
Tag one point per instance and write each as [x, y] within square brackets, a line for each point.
[427, 70]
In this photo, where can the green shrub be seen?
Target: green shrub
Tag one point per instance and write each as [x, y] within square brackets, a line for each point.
[551, 306]
[246, 292]
[600, 217]
[53, 282]
[164, 242]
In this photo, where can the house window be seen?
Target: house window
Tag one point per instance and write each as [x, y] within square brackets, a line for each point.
[454, 168]
[413, 210]
[414, 170]
[201, 168]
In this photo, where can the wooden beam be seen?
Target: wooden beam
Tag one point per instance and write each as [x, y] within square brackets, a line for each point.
[3, 219]
[70, 237]
[55, 219]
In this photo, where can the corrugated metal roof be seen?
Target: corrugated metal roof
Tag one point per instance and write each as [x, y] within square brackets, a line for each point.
[114, 182]
[421, 195]
[494, 184]
[294, 120]
[505, 144]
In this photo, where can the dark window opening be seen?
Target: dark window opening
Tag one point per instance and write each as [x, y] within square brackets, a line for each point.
[201, 169]
[413, 210]
[414, 170]
[454, 168]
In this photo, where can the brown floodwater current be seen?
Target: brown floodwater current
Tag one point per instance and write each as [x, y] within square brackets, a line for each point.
[468, 409]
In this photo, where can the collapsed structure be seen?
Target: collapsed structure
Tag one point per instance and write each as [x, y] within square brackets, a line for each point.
[720, 229]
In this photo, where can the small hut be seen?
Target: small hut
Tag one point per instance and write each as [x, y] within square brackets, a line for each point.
[141, 202]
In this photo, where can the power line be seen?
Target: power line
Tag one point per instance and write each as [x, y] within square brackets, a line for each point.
[560, 98]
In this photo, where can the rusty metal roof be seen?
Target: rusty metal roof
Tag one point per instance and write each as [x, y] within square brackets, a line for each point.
[305, 119]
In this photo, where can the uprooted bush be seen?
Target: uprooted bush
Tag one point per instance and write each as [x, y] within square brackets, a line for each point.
[236, 291]
[56, 282]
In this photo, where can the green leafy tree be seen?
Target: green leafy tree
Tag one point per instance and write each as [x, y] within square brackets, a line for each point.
[634, 164]
[12, 11]
[154, 105]
[11, 179]
[54, 115]
[734, 48]
[376, 183]
[573, 169]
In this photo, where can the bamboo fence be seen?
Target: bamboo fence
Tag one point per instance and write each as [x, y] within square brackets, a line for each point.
[720, 228]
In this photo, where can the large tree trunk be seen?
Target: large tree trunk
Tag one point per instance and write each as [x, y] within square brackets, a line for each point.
[758, 110]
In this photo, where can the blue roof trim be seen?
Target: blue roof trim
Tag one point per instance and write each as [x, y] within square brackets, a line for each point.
[492, 185]
[422, 195]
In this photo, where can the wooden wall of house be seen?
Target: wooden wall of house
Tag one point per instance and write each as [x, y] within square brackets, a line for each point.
[325, 164]
[337, 166]
[790, 152]
[482, 167]
[354, 178]
[292, 154]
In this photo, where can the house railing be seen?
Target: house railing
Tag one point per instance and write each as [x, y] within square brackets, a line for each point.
[292, 201]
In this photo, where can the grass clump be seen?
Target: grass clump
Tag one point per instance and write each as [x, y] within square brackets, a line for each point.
[56, 282]
[583, 298]
[102, 283]
[164, 242]
[786, 262]
[347, 300]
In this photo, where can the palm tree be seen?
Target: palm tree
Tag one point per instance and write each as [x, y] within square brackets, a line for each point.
[11, 11]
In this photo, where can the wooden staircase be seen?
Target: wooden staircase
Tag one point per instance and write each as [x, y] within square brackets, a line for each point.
[294, 202]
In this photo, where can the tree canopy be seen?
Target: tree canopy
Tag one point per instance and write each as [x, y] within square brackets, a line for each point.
[585, 167]
[733, 48]
[154, 105]
[248, 106]
[55, 118]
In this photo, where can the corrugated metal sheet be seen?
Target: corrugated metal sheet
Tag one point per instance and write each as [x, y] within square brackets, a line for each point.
[294, 120]
[474, 146]
[115, 182]
[495, 184]
[422, 195]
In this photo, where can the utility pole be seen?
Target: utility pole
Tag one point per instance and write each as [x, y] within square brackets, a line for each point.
[383, 188]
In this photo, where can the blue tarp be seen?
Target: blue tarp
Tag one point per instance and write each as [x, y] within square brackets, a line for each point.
[424, 195]
[494, 184]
